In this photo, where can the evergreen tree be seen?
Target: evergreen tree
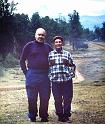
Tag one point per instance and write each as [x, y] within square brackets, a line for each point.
[75, 28]
[21, 30]
[35, 23]
[6, 26]
[103, 32]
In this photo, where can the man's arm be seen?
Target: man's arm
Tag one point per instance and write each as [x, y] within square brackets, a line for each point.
[23, 60]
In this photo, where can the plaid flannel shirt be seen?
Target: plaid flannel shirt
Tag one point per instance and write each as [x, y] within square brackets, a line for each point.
[60, 69]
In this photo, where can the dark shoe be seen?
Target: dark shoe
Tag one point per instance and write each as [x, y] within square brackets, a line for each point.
[66, 119]
[33, 119]
[61, 119]
[44, 120]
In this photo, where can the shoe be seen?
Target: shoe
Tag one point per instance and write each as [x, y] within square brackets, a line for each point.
[44, 120]
[61, 119]
[33, 119]
[66, 119]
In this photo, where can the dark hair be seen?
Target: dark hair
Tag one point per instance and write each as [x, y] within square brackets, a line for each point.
[58, 37]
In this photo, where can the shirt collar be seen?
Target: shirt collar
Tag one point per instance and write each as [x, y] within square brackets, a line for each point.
[55, 51]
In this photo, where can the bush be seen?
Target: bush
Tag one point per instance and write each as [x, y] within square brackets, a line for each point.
[81, 46]
[10, 61]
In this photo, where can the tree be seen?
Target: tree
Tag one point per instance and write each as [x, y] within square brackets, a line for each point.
[62, 26]
[50, 26]
[97, 32]
[21, 30]
[103, 31]
[35, 23]
[88, 35]
[6, 26]
[54, 27]
[100, 32]
[75, 27]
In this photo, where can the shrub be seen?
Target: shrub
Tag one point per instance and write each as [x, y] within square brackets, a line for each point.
[10, 61]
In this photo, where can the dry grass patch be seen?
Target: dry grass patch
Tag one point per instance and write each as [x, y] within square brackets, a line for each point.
[88, 106]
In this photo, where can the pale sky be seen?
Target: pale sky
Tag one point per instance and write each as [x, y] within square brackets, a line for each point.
[54, 8]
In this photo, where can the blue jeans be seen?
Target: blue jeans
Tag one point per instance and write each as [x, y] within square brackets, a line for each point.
[63, 94]
[37, 82]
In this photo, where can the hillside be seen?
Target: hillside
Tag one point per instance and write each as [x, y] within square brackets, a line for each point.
[91, 21]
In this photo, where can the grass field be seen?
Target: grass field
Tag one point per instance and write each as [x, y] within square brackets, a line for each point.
[88, 105]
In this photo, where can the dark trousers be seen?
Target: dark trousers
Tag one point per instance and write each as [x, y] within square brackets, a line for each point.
[37, 83]
[63, 94]
[44, 95]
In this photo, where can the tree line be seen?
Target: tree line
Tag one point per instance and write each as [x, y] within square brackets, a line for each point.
[18, 29]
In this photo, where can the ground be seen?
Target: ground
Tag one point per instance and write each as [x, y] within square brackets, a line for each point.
[88, 105]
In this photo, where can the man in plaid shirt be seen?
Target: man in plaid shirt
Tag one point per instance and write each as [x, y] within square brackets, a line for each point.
[61, 72]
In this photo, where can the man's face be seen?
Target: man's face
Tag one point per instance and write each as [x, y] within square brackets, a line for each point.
[58, 43]
[40, 35]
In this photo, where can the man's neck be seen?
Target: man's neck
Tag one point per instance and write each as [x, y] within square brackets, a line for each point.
[59, 49]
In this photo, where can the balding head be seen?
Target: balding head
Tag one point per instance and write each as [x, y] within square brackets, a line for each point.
[40, 30]
[40, 35]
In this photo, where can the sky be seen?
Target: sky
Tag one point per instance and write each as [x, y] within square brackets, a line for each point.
[56, 8]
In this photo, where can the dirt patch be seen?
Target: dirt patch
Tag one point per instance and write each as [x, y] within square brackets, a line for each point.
[91, 62]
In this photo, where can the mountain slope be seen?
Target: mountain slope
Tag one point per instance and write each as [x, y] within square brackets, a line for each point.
[91, 21]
